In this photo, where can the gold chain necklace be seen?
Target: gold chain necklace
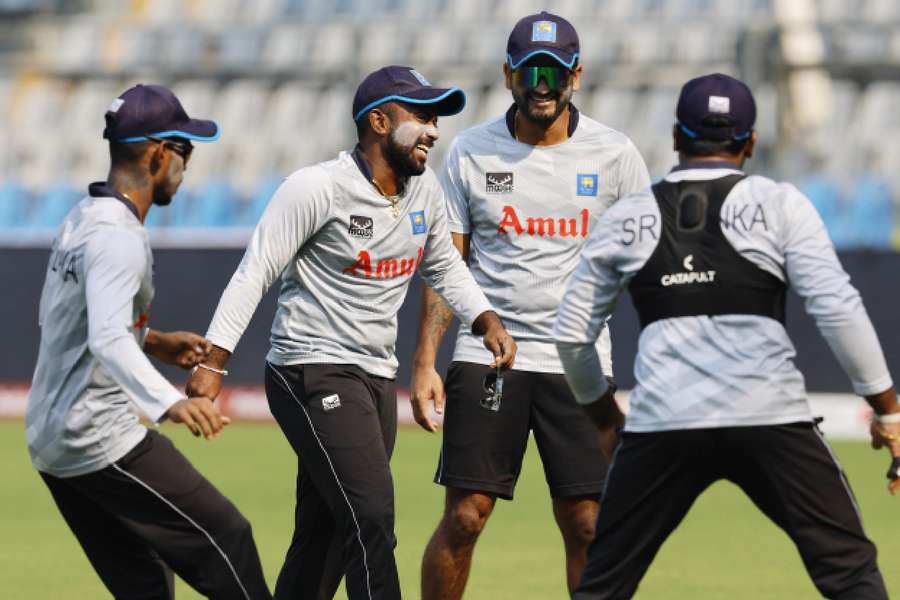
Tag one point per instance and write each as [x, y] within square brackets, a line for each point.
[394, 200]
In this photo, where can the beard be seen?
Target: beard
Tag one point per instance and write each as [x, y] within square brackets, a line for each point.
[163, 194]
[541, 117]
[401, 159]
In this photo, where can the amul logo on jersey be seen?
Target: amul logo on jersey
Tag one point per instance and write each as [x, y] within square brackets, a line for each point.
[690, 276]
[544, 226]
[386, 268]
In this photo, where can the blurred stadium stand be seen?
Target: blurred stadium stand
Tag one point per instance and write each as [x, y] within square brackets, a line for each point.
[278, 76]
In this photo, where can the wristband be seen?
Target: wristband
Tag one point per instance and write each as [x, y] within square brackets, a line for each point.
[222, 372]
[888, 419]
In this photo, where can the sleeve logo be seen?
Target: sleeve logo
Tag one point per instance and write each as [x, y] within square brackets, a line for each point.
[417, 219]
[543, 31]
[587, 184]
[498, 183]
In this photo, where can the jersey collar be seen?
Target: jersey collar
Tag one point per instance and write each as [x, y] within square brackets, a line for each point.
[705, 164]
[101, 189]
[511, 120]
[360, 159]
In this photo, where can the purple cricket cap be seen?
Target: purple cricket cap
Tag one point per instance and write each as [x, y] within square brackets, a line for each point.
[405, 84]
[543, 33]
[718, 96]
[146, 111]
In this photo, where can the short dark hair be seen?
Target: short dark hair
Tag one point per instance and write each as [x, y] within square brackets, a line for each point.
[693, 146]
[127, 153]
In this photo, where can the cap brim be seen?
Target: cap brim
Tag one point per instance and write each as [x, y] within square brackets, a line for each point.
[197, 130]
[564, 58]
[444, 101]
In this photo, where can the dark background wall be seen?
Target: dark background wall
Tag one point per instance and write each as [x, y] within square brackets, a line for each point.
[189, 283]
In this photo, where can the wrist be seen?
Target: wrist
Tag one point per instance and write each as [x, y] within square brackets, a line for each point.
[485, 322]
[888, 418]
[217, 358]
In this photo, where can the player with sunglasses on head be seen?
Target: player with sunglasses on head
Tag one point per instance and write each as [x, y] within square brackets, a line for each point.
[138, 508]
[523, 192]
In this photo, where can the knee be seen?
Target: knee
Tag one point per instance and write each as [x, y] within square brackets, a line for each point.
[465, 520]
[579, 528]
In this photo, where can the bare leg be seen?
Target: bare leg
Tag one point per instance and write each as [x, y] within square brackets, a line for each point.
[448, 556]
[577, 520]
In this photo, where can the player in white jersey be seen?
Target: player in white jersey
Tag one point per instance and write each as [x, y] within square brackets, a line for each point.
[523, 192]
[708, 254]
[137, 506]
[346, 236]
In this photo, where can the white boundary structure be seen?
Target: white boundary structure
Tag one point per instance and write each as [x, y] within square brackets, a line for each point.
[845, 416]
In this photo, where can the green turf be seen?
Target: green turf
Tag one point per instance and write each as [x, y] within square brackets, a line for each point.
[724, 549]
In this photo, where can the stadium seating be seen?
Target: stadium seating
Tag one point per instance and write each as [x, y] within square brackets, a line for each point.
[278, 75]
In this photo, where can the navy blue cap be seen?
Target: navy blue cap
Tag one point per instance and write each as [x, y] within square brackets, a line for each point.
[720, 96]
[405, 84]
[543, 33]
[146, 111]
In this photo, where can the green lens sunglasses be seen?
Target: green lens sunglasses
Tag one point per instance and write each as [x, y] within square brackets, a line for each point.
[530, 77]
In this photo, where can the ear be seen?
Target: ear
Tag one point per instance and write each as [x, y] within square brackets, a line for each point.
[379, 121]
[676, 146]
[576, 78]
[750, 145]
[157, 158]
[507, 75]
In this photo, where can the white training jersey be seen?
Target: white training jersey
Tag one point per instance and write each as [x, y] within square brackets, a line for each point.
[93, 319]
[728, 370]
[528, 211]
[345, 257]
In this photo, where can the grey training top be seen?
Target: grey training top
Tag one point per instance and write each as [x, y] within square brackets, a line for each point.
[345, 256]
[724, 370]
[93, 319]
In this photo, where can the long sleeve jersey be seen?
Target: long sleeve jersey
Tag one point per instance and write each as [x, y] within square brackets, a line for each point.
[529, 210]
[724, 370]
[345, 256]
[93, 319]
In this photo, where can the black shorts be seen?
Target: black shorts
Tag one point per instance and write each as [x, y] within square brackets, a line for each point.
[482, 450]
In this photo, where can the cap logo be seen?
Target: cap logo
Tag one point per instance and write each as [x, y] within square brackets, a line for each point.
[115, 105]
[720, 104]
[543, 31]
[419, 77]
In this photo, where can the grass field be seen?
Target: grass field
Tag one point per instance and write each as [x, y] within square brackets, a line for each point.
[724, 549]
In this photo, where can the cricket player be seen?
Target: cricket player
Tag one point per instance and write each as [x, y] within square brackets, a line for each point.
[137, 506]
[524, 191]
[708, 254]
[346, 236]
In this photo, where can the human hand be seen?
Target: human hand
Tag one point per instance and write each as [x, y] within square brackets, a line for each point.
[200, 415]
[426, 387]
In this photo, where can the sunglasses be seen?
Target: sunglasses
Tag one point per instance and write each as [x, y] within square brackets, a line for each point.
[181, 147]
[530, 77]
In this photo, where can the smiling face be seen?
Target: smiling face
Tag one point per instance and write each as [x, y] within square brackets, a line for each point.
[542, 88]
[413, 133]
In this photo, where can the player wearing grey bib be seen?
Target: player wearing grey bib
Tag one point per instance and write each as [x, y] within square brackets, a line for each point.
[347, 236]
[137, 506]
[523, 192]
[707, 255]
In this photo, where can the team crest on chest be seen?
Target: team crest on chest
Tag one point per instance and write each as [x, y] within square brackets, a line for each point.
[587, 184]
[498, 183]
[361, 227]
[417, 219]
